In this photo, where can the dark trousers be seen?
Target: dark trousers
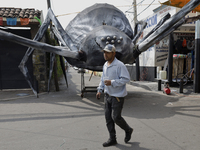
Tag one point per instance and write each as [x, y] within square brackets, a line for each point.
[113, 109]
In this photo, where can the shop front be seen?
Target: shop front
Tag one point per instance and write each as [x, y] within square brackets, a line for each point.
[154, 62]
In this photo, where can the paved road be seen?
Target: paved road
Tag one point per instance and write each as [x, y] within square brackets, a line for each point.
[65, 121]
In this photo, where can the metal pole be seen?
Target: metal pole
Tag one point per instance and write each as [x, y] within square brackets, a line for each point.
[135, 32]
[170, 58]
[181, 86]
[159, 84]
[1, 87]
[196, 84]
[135, 14]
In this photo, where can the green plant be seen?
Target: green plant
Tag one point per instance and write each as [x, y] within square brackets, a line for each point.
[53, 42]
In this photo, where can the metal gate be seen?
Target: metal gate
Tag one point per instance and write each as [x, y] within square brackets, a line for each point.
[11, 55]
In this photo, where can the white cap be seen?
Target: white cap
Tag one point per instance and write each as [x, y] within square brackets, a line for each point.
[109, 48]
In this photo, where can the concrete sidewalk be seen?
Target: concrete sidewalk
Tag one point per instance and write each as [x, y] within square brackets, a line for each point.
[153, 86]
[65, 121]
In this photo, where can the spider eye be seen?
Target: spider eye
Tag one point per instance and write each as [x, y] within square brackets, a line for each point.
[102, 39]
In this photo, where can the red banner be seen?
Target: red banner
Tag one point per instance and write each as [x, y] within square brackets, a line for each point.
[1, 21]
[24, 21]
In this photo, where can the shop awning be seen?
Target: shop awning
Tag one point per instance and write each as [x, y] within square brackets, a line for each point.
[179, 3]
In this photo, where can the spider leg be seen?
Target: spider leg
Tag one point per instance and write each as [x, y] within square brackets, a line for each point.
[59, 37]
[22, 66]
[165, 29]
[60, 33]
[63, 69]
[165, 18]
[148, 42]
[143, 24]
[57, 32]
[178, 24]
[63, 51]
[69, 50]
[52, 58]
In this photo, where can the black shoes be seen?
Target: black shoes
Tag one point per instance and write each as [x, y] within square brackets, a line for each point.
[128, 135]
[110, 142]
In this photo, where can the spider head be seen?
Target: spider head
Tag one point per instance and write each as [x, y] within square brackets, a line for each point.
[98, 38]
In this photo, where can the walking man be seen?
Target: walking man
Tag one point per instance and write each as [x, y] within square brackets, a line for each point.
[113, 83]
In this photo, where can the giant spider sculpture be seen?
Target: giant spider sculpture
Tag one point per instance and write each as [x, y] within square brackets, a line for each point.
[88, 33]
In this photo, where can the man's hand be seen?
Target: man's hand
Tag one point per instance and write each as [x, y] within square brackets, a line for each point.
[107, 82]
[98, 95]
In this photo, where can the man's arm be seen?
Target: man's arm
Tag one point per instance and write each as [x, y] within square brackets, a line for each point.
[100, 88]
[101, 85]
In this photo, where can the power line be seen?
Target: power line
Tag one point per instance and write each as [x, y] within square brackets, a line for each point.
[143, 9]
[116, 6]
[128, 1]
[140, 2]
[146, 7]
[67, 14]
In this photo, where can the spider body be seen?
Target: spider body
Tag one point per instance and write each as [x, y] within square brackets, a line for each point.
[95, 27]
[96, 40]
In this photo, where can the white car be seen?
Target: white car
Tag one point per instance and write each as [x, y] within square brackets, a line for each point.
[75, 68]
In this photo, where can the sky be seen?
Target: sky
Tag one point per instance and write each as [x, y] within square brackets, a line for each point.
[68, 8]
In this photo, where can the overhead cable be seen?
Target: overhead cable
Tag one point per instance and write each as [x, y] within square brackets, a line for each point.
[116, 6]
[146, 7]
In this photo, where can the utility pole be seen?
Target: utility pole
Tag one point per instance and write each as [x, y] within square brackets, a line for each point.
[135, 14]
[135, 33]
[48, 4]
[170, 58]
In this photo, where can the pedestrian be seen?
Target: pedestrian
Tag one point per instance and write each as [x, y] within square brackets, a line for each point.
[113, 83]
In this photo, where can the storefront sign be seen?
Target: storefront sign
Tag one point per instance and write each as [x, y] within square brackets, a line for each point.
[181, 36]
[151, 21]
[161, 52]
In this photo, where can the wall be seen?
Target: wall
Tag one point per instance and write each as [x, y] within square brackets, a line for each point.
[146, 73]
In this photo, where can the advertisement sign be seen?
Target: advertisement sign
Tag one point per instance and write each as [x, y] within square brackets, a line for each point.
[157, 54]
[161, 52]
